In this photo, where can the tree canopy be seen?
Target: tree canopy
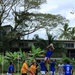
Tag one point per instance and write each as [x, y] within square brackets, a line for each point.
[26, 20]
[24, 17]
[67, 33]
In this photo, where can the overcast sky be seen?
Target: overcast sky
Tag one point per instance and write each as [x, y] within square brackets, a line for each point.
[63, 7]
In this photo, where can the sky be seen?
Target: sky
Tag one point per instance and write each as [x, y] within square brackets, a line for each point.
[62, 7]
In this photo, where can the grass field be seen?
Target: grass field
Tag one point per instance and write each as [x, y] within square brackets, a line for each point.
[28, 74]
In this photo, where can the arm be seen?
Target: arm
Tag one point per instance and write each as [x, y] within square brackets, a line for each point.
[72, 70]
[37, 66]
[52, 47]
[26, 67]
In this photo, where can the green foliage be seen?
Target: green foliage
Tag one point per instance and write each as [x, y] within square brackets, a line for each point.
[1, 59]
[18, 57]
[49, 37]
[11, 56]
[42, 43]
[72, 32]
[25, 22]
[71, 60]
[22, 55]
[15, 56]
[73, 63]
[35, 52]
[2, 62]
[65, 59]
[65, 32]
[59, 48]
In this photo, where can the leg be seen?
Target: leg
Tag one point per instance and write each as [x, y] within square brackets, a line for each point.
[24, 74]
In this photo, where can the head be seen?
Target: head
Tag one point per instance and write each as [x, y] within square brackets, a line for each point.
[34, 61]
[60, 61]
[41, 60]
[68, 62]
[25, 61]
[54, 60]
[10, 63]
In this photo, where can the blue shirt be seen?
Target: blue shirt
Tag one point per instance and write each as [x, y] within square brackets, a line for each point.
[49, 53]
[52, 66]
[42, 65]
[10, 68]
[67, 69]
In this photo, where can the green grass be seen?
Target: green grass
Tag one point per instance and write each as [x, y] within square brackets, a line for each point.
[28, 74]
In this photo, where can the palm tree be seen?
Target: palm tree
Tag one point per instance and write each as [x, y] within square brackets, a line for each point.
[42, 43]
[49, 37]
[2, 61]
[65, 32]
[72, 33]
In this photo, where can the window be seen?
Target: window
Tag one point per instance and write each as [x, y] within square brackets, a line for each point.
[69, 45]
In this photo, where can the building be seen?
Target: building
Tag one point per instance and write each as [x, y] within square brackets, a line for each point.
[69, 45]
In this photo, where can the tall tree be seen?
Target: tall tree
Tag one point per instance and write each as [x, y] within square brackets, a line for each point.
[5, 9]
[26, 22]
[65, 32]
[72, 33]
[42, 43]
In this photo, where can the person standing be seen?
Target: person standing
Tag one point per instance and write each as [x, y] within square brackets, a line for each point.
[60, 68]
[52, 67]
[33, 68]
[25, 68]
[37, 66]
[10, 69]
[43, 68]
[68, 68]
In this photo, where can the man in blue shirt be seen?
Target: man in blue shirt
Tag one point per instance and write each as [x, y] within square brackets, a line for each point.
[43, 68]
[68, 69]
[10, 69]
[52, 67]
[49, 52]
